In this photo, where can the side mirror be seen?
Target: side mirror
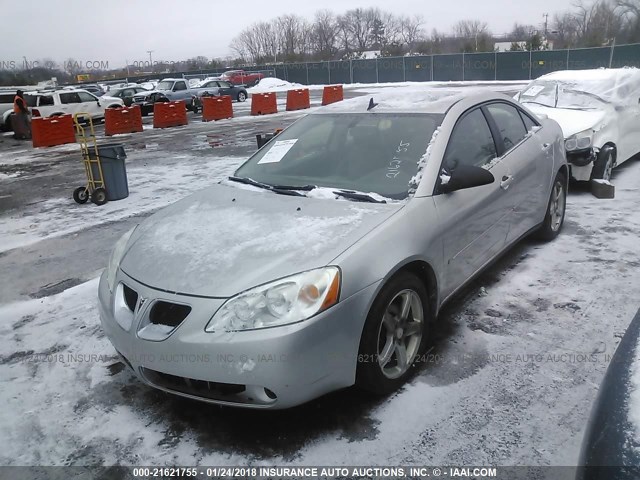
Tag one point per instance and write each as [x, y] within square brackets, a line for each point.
[465, 176]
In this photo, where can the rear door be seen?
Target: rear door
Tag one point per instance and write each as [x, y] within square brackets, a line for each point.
[475, 220]
[225, 88]
[526, 158]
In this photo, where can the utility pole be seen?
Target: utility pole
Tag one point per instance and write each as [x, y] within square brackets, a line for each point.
[546, 24]
[150, 59]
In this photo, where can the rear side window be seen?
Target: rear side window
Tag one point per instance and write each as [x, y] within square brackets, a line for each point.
[7, 97]
[528, 122]
[509, 124]
[471, 142]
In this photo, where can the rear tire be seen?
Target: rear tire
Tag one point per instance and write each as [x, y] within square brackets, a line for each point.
[394, 333]
[603, 166]
[241, 96]
[99, 196]
[7, 125]
[556, 208]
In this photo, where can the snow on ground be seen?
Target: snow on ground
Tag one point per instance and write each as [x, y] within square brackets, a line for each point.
[149, 189]
[634, 395]
[271, 84]
[509, 382]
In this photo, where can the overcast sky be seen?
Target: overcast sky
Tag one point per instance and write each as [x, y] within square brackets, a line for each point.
[175, 30]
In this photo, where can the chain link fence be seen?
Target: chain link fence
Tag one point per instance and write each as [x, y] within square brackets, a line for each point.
[498, 66]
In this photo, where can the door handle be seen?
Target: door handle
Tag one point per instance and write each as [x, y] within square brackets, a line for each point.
[546, 146]
[506, 181]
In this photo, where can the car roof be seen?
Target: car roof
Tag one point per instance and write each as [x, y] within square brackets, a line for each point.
[172, 79]
[595, 74]
[413, 100]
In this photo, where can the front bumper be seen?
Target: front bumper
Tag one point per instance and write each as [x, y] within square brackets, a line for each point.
[271, 368]
[581, 163]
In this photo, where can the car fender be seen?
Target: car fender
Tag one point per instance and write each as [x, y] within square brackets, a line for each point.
[391, 245]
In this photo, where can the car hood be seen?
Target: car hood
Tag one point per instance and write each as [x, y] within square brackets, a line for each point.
[224, 240]
[571, 121]
[108, 98]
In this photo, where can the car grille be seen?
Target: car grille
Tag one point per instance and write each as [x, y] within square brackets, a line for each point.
[130, 297]
[190, 386]
[225, 392]
[166, 313]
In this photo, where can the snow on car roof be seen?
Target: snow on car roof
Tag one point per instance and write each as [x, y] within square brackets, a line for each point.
[591, 75]
[409, 100]
[615, 85]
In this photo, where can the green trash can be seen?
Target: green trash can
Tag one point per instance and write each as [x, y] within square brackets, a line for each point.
[114, 170]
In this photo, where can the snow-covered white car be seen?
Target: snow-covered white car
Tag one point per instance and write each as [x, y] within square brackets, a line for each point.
[67, 101]
[599, 112]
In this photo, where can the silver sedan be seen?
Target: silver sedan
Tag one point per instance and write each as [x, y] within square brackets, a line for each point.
[323, 261]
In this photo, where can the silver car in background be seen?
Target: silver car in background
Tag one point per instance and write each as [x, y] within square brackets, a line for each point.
[323, 261]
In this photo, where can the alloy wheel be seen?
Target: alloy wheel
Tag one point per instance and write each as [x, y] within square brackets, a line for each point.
[400, 333]
[557, 206]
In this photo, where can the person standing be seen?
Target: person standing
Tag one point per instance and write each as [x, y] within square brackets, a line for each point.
[20, 122]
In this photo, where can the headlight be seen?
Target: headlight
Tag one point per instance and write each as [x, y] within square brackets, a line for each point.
[579, 141]
[288, 300]
[116, 256]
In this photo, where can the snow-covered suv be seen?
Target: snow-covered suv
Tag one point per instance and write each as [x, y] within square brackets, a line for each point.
[61, 102]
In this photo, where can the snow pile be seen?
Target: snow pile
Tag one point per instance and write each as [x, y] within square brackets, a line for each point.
[271, 84]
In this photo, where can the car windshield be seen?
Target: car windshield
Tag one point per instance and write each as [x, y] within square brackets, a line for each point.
[164, 86]
[363, 152]
[564, 94]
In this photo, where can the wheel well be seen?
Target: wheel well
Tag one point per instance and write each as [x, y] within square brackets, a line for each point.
[564, 169]
[424, 272]
[615, 150]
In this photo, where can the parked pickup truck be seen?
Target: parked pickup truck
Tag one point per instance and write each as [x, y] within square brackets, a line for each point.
[167, 90]
[240, 77]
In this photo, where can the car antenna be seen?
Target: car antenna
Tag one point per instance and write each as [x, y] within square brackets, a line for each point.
[372, 105]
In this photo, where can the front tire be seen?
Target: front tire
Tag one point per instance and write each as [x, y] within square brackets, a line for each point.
[603, 166]
[394, 334]
[242, 96]
[556, 208]
[81, 195]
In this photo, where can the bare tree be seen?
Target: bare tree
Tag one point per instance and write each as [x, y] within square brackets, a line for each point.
[411, 30]
[325, 31]
[476, 34]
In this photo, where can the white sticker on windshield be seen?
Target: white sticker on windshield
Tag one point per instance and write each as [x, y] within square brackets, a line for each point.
[533, 91]
[278, 151]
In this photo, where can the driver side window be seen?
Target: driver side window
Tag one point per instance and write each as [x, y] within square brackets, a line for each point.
[471, 142]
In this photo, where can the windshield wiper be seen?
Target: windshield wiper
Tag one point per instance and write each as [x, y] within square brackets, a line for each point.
[359, 196]
[280, 189]
[302, 188]
[250, 181]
